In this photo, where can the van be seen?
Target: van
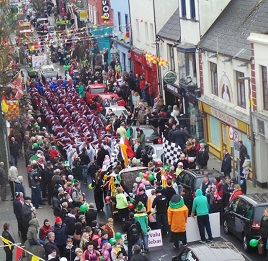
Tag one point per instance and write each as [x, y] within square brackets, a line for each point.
[242, 217]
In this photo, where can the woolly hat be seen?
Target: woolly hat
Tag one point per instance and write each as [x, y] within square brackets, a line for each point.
[58, 219]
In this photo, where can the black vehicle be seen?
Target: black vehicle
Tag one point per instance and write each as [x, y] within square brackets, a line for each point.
[191, 180]
[221, 251]
[242, 217]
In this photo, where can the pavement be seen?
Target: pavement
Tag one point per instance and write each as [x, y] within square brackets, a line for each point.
[6, 207]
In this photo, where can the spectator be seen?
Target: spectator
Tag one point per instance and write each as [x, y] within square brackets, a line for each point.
[133, 229]
[91, 214]
[12, 176]
[204, 185]
[17, 208]
[32, 234]
[264, 230]
[27, 213]
[14, 148]
[200, 206]
[202, 157]
[244, 174]
[177, 218]
[160, 204]
[19, 186]
[44, 230]
[227, 191]
[69, 250]
[60, 234]
[50, 245]
[226, 166]
[3, 180]
[237, 192]
[7, 236]
[170, 191]
[138, 255]
[142, 217]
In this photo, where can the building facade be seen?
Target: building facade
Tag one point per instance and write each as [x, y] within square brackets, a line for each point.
[147, 18]
[233, 81]
[259, 77]
[122, 32]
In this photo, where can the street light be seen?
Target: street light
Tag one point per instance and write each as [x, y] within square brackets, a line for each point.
[252, 143]
[157, 54]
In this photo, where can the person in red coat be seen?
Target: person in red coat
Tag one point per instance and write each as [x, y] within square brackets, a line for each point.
[236, 193]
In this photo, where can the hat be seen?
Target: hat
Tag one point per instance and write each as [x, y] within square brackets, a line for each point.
[27, 198]
[49, 163]
[82, 217]
[17, 194]
[58, 219]
[140, 207]
[180, 163]
[175, 198]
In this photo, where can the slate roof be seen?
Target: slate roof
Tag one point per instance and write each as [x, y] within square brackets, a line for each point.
[172, 30]
[231, 29]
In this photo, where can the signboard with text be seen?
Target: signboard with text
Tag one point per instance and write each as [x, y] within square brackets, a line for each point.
[105, 10]
[154, 239]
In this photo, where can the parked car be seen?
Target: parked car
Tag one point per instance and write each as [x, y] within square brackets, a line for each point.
[220, 251]
[100, 102]
[242, 217]
[191, 180]
[155, 153]
[117, 110]
[93, 91]
[151, 134]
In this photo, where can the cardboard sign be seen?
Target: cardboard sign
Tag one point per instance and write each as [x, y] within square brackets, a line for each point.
[154, 238]
[192, 231]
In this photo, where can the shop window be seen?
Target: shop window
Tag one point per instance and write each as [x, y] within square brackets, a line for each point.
[187, 69]
[171, 58]
[119, 21]
[264, 87]
[183, 8]
[214, 78]
[192, 9]
[241, 92]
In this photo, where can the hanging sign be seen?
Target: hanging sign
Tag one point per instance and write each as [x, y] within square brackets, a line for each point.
[105, 10]
[170, 77]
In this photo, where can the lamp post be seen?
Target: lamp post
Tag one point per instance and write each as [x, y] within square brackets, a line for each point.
[252, 143]
[160, 84]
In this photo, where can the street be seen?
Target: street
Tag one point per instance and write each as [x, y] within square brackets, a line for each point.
[159, 253]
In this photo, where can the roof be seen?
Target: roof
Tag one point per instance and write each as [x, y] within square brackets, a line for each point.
[172, 30]
[228, 35]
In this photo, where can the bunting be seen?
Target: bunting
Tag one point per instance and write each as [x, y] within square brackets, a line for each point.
[4, 104]
[18, 254]
[7, 242]
[35, 258]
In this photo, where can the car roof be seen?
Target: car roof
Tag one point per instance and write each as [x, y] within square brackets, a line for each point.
[256, 199]
[201, 173]
[220, 251]
[97, 86]
[108, 95]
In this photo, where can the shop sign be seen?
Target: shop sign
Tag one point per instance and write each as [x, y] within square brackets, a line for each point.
[223, 117]
[170, 77]
[172, 88]
[83, 14]
[105, 9]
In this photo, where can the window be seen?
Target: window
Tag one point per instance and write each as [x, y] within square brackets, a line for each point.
[171, 57]
[192, 9]
[119, 21]
[214, 78]
[126, 22]
[152, 37]
[146, 32]
[264, 87]
[241, 93]
[137, 29]
[187, 69]
[183, 8]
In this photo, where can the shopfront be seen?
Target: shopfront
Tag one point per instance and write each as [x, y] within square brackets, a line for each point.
[141, 66]
[217, 120]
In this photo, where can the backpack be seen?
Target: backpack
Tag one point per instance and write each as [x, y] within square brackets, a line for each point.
[133, 232]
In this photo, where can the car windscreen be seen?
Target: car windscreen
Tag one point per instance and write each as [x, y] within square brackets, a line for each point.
[258, 213]
[97, 90]
[148, 132]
